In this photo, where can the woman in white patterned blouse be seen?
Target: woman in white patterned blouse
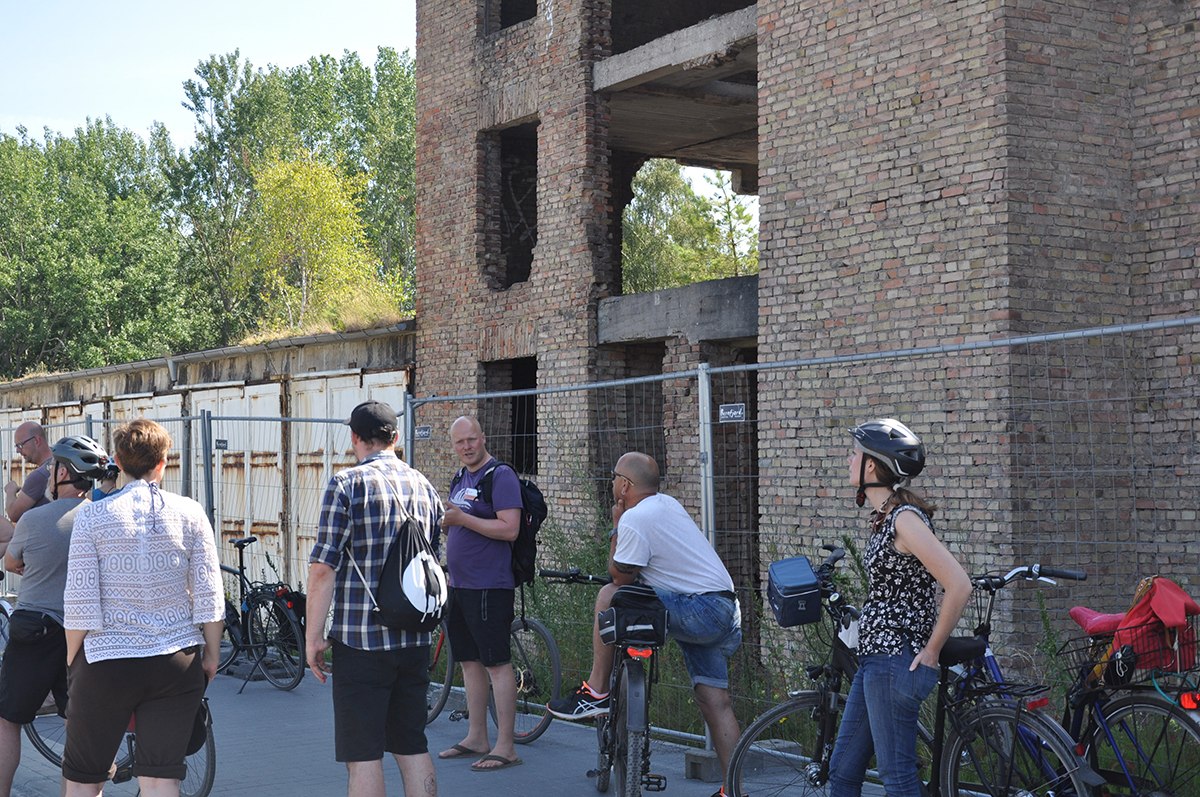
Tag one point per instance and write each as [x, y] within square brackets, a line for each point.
[143, 605]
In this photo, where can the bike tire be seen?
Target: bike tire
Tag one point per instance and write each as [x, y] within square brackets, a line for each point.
[1000, 749]
[48, 735]
[231, 637]
[629, 742]
[537, 669]
[783, 751]
[5, 628]
[603, 762]
[441, 673]
[1158, 742]
[201, 767]
[275, 635]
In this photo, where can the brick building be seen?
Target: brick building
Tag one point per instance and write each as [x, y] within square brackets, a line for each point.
[928, 173]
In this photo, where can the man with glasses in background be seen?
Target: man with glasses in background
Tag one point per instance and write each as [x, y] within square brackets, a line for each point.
[655, 542]
[30, 443]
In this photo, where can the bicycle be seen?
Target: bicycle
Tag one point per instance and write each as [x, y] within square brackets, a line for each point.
[48, 734]
[537, 668]
[1139, 740]
[6, 610]
[987, 738]
[266, 627]
[623, 735]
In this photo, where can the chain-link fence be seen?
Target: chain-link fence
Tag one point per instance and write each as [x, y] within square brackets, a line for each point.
[1079, 449]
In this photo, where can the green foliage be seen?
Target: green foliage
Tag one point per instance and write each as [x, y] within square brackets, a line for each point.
[87, 252]
[672, 236]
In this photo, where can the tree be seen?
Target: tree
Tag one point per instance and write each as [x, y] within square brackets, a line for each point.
[87, 252]
[307, 248]
[673, 236]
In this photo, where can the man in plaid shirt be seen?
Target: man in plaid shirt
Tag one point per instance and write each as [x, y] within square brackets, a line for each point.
[382, 674]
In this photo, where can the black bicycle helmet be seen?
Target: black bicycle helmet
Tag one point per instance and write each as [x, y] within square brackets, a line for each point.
[893, 444]
[81, 455]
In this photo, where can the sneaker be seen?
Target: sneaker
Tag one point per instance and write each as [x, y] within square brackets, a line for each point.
[580, 704]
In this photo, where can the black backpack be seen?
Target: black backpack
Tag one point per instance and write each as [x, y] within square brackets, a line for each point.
[533, 512]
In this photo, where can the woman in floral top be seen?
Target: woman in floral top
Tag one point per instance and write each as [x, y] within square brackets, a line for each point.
[902, 629]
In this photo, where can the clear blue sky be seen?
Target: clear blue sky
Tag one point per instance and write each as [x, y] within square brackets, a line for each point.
[64, 61]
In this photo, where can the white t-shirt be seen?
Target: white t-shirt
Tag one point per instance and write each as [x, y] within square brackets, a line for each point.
[659, 536]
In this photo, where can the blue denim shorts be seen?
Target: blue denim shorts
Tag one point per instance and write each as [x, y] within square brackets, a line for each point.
[708, 629]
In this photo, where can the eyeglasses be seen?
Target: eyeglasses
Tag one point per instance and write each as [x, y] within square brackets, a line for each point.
[616, 475]
[25, 441]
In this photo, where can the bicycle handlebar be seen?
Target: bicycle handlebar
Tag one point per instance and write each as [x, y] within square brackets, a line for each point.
[1034, 572]
[573, 576]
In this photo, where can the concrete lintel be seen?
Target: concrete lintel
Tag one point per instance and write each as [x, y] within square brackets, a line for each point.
[724, 309]
[677, 51]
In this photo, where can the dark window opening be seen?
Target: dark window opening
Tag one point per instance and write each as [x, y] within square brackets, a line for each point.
[636, 22]
[510, 161]
[502, 14]
[513, 435]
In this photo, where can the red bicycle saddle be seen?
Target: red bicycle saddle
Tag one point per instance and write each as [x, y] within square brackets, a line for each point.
[1096, 623]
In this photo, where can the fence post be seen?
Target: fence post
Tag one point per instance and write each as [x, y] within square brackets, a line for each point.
[185, 459]
[707, 499]
[206, 438]
[409, 425]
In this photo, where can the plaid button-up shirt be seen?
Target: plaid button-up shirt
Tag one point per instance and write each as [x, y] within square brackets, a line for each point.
[361, 513]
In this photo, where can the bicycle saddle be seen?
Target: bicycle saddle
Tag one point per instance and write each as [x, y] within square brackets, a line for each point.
[961, 648]
[1095, 623]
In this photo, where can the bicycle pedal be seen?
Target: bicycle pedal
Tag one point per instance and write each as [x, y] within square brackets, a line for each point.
[459, 714]
[654, 782]
[123, 775]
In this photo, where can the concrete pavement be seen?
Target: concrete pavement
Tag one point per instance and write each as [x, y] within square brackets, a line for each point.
[280, 744]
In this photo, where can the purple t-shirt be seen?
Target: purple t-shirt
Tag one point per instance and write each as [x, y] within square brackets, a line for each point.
[476, 561]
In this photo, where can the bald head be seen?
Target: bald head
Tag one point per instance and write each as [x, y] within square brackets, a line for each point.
[641, 470]
[466, 435]
[30, 441]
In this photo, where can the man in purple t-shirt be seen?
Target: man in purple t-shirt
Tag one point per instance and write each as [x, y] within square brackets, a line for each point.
[482, 517]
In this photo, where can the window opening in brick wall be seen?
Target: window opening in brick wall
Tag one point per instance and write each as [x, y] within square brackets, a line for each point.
[510, 163]
[500, 14]
[513, 436]
[636, 22]
[684, 225]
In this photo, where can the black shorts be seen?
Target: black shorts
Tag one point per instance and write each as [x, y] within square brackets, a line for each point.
[479, 623]
[379, 702]
[164, 691]
[31, 671]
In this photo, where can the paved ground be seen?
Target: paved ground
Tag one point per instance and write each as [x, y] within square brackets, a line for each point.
[280, 744]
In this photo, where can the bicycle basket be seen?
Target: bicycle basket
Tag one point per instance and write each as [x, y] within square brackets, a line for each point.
[1132, 654]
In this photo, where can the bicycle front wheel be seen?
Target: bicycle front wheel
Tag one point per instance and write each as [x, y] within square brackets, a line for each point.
[1154, 748]
[538, 673]
[441, 673]
[630, 744]
[999, 750]
[275, 635]
[784, 751]
[201, 767]
[48, 735]
[5, 631]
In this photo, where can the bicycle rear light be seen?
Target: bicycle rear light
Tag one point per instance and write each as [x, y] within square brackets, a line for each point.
[1189, 701]
[640, 653]
[1035, 704]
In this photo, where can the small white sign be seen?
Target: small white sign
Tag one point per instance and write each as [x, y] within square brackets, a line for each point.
[221, 445]
[732, 413]
[423, 433]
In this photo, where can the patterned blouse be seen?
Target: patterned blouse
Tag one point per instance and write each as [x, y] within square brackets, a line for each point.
[142, 574]
[901, 606]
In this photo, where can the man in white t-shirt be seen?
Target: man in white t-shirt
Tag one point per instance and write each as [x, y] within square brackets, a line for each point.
[656, 542]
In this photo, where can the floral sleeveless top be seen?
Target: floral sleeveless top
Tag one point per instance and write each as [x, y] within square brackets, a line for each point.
[901, 606]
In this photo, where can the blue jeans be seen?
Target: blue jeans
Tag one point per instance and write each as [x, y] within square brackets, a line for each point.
[708, 629]
[881, 718]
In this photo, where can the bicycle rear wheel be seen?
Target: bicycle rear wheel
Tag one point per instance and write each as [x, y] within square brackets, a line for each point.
[538, 673]
[630, 744]
[5, 631]
[276, 636]
[1000, 751]
[48, 735]
[1157, 742]
[441, 673]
